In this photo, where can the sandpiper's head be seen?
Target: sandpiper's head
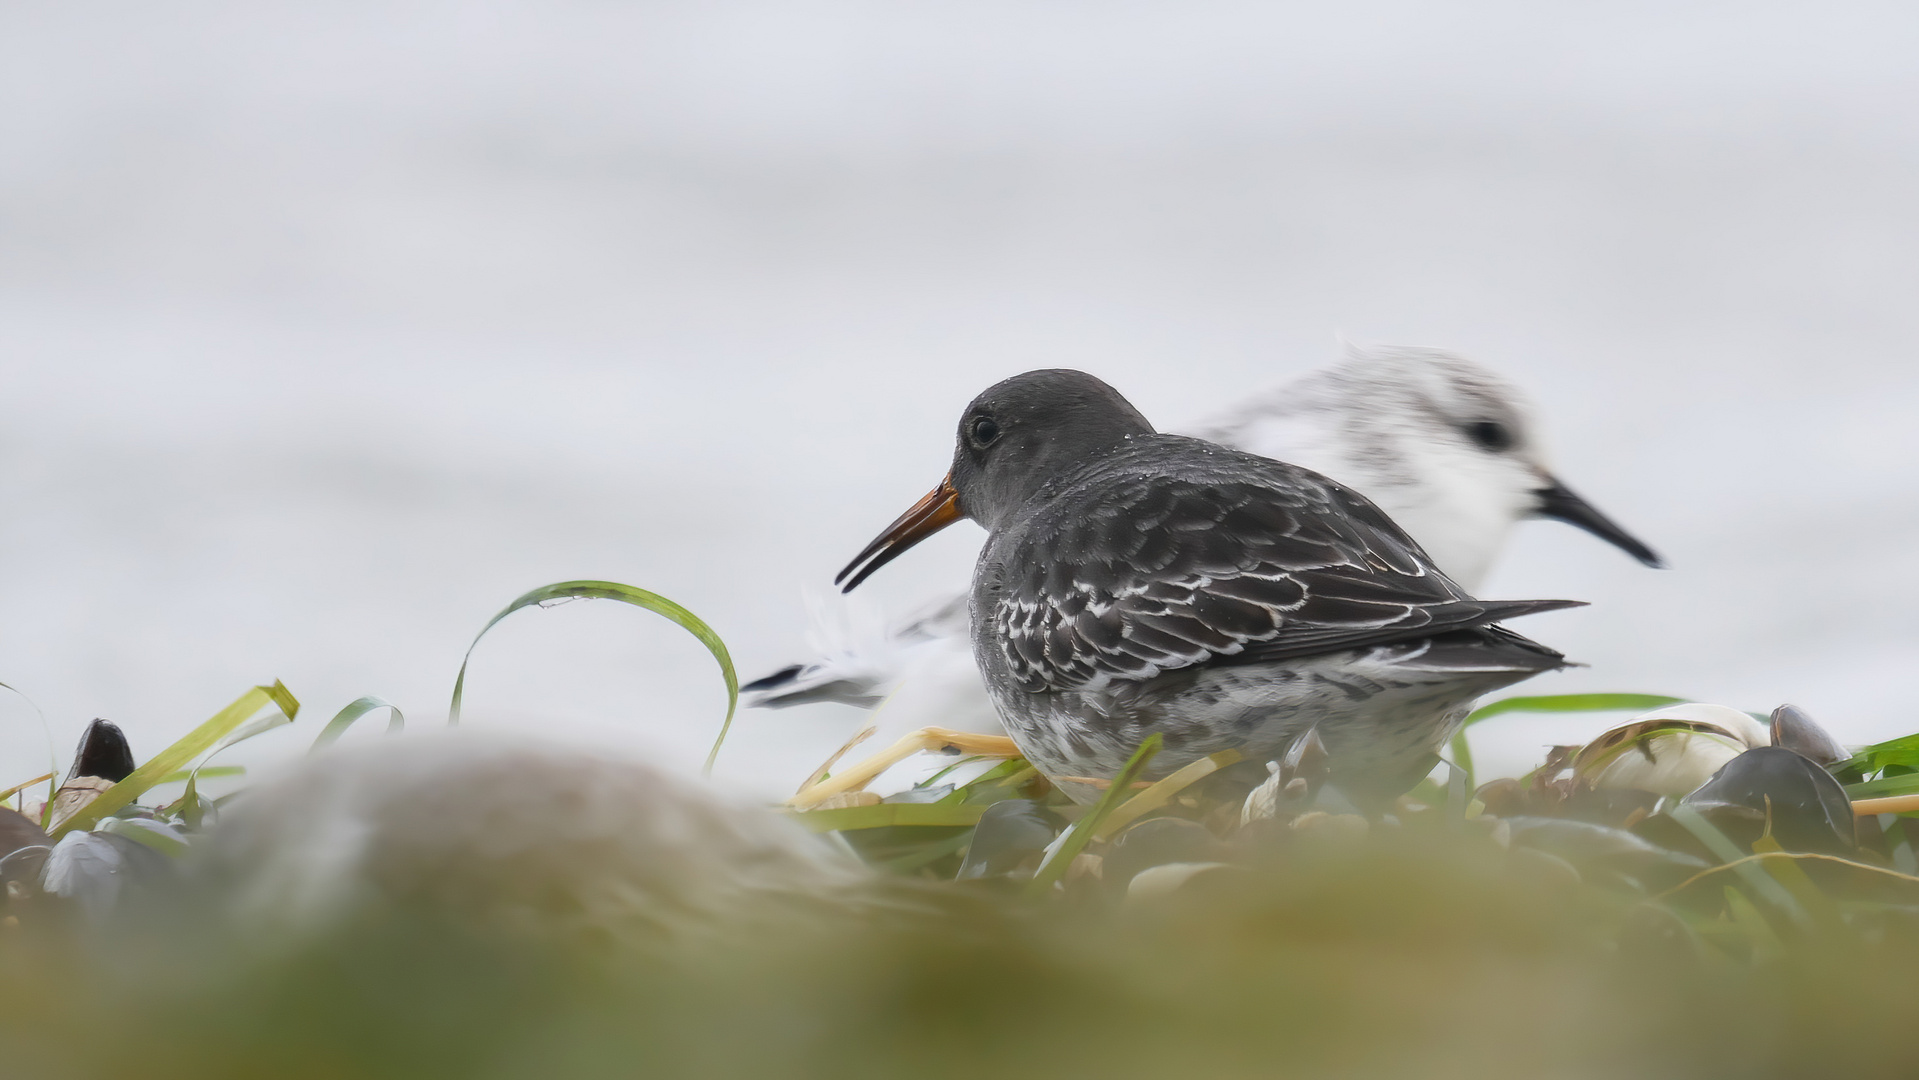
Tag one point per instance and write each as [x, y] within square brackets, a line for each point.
[1461, 427]
[1028, 430]
[1013, 438]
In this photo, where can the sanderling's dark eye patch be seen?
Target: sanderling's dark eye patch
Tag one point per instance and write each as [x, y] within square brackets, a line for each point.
[983, 431]
[1490, 435]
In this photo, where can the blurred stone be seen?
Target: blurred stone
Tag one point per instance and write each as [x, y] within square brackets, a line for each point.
[1336, 827]
[517, 835]
[18, 831]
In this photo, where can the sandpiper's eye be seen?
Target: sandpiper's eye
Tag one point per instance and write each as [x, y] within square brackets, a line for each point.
[983, 431]
[1490, 435]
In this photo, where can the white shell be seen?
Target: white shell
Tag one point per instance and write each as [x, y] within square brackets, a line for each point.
[1165, 878]
[1676, 762]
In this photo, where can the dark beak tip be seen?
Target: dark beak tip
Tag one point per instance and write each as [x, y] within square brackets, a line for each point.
[1558, 502]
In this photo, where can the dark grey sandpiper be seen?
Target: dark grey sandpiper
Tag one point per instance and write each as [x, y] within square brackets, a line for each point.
[1134, 583]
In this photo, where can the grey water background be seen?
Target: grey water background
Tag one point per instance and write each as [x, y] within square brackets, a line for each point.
[327, 330]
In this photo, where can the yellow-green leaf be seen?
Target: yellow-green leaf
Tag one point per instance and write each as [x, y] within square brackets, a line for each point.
[1076, 838]
[168, 761]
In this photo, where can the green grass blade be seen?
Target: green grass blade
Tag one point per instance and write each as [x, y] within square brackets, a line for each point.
[1570, 703]
[170, 760]
[882, 815]
[1819, 907]
[257, 727]
[1082, 831]
[1726, 851]
[210, 772]
[1759, 934]
[932, 853]
[1902, 752]
[1901, 784]
[626, 594]
[1162, 792]
[346, 718]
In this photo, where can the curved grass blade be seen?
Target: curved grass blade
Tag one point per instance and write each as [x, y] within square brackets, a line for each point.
[1461, 750]
[258, 727]
[1075, 839]
[166, 762]
[346, 718]
[46, 734]
[261, 726]
[626, 594]
[1570, 703]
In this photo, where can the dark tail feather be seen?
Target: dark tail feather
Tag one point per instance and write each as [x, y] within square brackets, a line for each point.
[1454, 617]
[1501, 610]
[1491, 649]
[782, 677]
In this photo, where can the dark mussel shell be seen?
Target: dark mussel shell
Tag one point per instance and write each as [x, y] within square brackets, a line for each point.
[1800, 733]
[103, 752]
[1008, 832]
[1807, 808]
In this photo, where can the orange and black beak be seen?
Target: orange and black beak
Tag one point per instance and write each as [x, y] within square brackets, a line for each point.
[936, 511]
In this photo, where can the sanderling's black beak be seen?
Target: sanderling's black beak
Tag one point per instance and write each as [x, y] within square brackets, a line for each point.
[936, 511]
[1556, 500]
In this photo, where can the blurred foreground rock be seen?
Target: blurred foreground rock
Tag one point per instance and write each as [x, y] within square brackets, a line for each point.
[515, 834]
